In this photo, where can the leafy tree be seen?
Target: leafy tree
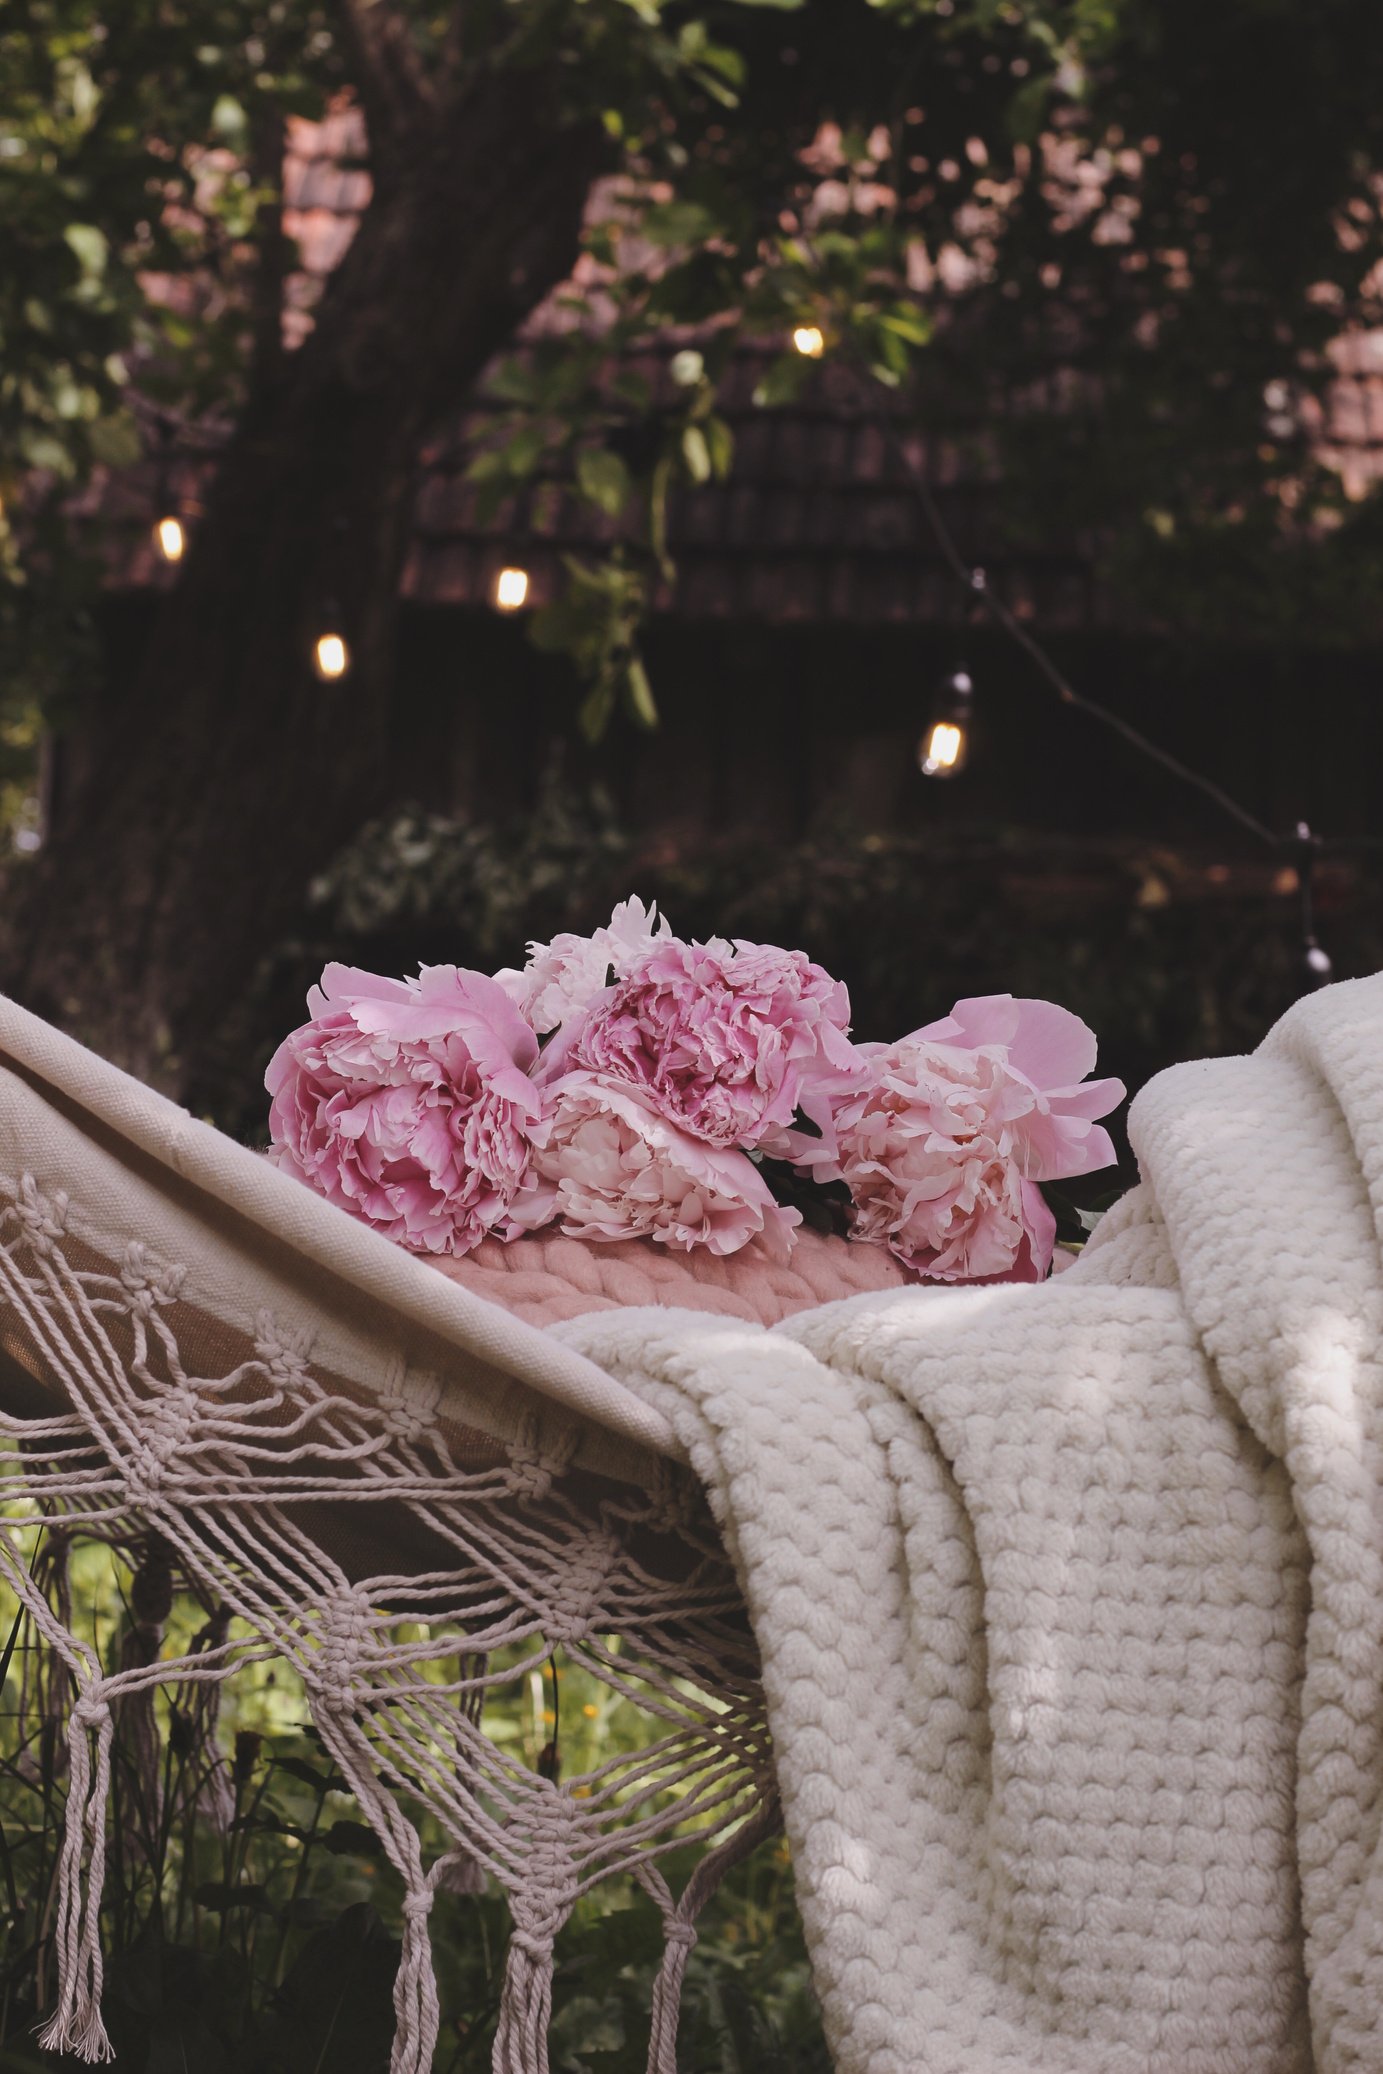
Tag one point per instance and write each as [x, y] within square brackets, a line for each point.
[1178, 208]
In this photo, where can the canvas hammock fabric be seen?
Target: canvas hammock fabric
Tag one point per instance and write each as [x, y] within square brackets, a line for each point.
[368, 1473]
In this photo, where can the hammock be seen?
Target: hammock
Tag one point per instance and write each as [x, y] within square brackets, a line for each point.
[216, 1372]
[1064, 1604]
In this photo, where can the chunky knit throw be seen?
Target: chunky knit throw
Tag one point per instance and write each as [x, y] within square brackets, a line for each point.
[1070, 1602]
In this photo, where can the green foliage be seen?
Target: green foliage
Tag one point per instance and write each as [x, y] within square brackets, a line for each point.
[1181, 238]
[268, 1944]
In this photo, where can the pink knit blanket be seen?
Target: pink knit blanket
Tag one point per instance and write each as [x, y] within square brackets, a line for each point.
[547, 1279]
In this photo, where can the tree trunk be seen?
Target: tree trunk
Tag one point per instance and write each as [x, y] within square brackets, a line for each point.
[230, 773]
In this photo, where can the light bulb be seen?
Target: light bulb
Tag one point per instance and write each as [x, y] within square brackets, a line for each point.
[943, 748]
[810, 341]
[511, 589]
[170, 539]
[331, 658]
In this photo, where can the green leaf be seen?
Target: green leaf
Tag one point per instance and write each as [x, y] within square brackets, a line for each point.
[696, 454]
[89, 245]
[720, 441]
[521, 455]
[638, 693]
[596, 711]
[913, 325]
[677, 223]
[603, 480]
[320, 1782]
[783, 381]
[228, 118]
[115, 440]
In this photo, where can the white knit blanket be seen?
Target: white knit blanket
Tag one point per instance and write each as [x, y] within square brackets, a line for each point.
[1070, 1602]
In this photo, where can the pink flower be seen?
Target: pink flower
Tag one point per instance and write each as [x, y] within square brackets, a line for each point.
[622, 1171]
[727, 1041]
[943, 1145]
[409, 1103]
[563, 977]
[1047, 1054]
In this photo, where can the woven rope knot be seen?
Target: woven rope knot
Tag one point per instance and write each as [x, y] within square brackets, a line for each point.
[143, 1480]
[550, 1828]
[349, 1641]
[408, 1402]
[92, 1709]
[534, 1464]
[285, 1354]
[673, 1498]
[417, 1904]
[148, 1284]
[679, 1934]
[576, 1596]
[44, 1218]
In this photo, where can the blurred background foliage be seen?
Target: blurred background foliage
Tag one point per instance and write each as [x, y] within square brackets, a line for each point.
[252, 1921]
[1125, 238]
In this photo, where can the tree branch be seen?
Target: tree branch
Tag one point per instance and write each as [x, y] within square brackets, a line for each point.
[394, 90]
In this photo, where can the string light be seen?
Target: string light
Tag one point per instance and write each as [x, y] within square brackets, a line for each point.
[511, 589]
[331, 656]
[1316, 968]
[944, 747]
[169, 538]
[810, 341]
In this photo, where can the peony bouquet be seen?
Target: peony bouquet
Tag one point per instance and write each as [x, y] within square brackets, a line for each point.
[629, 1085]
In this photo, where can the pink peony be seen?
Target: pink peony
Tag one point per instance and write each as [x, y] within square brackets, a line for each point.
[943, 1145]
[562, 978]
[1047, 1054]
[727, 1041]
[409, 1103]
[622, 1171]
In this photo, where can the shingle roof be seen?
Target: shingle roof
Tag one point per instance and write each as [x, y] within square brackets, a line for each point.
[816, 523]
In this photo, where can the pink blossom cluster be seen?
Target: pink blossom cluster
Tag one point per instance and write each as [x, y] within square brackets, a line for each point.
[628, 1084]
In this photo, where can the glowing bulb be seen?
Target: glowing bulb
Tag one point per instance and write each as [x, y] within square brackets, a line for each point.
[170, 539]
[511, 589]
[331, 658]
[943, 747]
[810, 341]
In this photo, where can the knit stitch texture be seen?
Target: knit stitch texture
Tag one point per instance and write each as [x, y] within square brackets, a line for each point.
[1070, 1602]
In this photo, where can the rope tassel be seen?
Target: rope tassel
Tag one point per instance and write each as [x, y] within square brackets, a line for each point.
[77, 2027]
[667, 1996]
[525, 2008]
[417, 2012]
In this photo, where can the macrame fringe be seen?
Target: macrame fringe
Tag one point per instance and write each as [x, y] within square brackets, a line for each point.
[525, 2008]
[417, 2012]
[667, 1996]
[76, 2027]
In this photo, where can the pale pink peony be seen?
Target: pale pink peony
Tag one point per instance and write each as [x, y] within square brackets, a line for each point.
[562, 978]
[943, 1145]
[1051, 1113]
[409, 1103]
[726, 1040]
[622, 1171]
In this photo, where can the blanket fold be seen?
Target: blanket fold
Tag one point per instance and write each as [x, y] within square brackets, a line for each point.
[1070, 1602]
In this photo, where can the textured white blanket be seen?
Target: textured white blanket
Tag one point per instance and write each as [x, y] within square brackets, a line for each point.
[1070, 1602]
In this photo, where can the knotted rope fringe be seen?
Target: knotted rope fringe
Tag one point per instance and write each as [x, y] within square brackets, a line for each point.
[680, 1926]
[241, 1474]
[77, 2027]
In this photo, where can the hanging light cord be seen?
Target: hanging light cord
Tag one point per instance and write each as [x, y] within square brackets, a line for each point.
[976, 583]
